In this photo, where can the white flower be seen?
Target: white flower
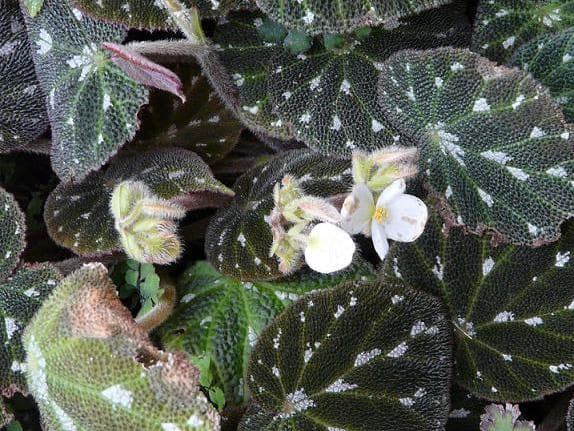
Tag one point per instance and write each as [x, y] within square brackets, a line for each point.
[396, 215]
[329, 248]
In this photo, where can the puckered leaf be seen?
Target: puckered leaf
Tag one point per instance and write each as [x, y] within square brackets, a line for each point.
[363, 356]
[20, 297]
[22, 111]
[149, 14]
[12, 234]
[89, 366]
[327, 97]
[334, 16]
[239, 239]
[502, 26]
[77, 214]
[221, 317]
[550, 59]
[493, 142]
[512, 308]
[92, 104]
[202, 124]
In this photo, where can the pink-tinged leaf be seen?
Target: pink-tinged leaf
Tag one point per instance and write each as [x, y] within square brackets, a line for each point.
[145, 71]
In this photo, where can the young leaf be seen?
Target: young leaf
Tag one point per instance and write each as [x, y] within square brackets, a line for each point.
[364, 356]
[221, 317]
[328, 97]
[550, 59]
[202, 124]
[493, 143]
[504, 418]
[78, 214]
[333, 16]
[89, 366]
[502, 26]
[23, 114]
[20, 297]
[511, 308]
[92, 104]
[149, 14]
[12, 234]
[239, 239]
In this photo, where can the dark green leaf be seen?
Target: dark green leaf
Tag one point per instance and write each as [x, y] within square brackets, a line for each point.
[12, 234]
[493, 144]
[512, 308]
[366, 356]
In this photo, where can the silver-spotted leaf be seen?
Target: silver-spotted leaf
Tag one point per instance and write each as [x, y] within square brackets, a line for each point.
[77, 214]
[245, 56]
[550, 59]
[327, 98]
[23, 114]
[202, 124]
[512, 308]
[335, 16]
[149, 14]
[502, 26]
[92, 104]
[238, 239]
[493, 143]
[465, 410]
[365, 355]
[20, 297]
[89, 366]
[12, 234]
[221, 318]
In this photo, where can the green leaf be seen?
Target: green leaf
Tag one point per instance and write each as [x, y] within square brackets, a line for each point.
[465, 411]
[12, 234]
[366, 356]
[14, 426]
[238, 239]
[33, 6]
[493, 144]
[77, 214]
[149, 14]
[504, 418]
[512, 308]
[550, 59]
[502, 26]
[221, 317]
[327, 97]
[89, 366]
[202, 124]
[132, 277]
[92, 104]
[23, 115]
[217, 397]
[334, 16]
[20, 297]
[150, 288]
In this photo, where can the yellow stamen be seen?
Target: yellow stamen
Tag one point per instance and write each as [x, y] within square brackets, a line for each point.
[380, 215]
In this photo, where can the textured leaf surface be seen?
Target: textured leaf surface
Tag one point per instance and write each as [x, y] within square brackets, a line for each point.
[20, 297]
[245, 55]
[363, 356]
[12, 234]
[334, 16]
[512, 308]
[90, 367]
[465, 411]
[221, 317]
[149, 14]
[328, 98]
[23, 114]
[92, 104]
[492, 141]
[78, 216]
[550, 59]
[502, 26]
[239, 239]
[202, 124]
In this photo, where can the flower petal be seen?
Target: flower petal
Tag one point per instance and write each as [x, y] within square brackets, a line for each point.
[357, 209]
[407, 218]
[379, 239]
[396, 188]
[329, 248]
